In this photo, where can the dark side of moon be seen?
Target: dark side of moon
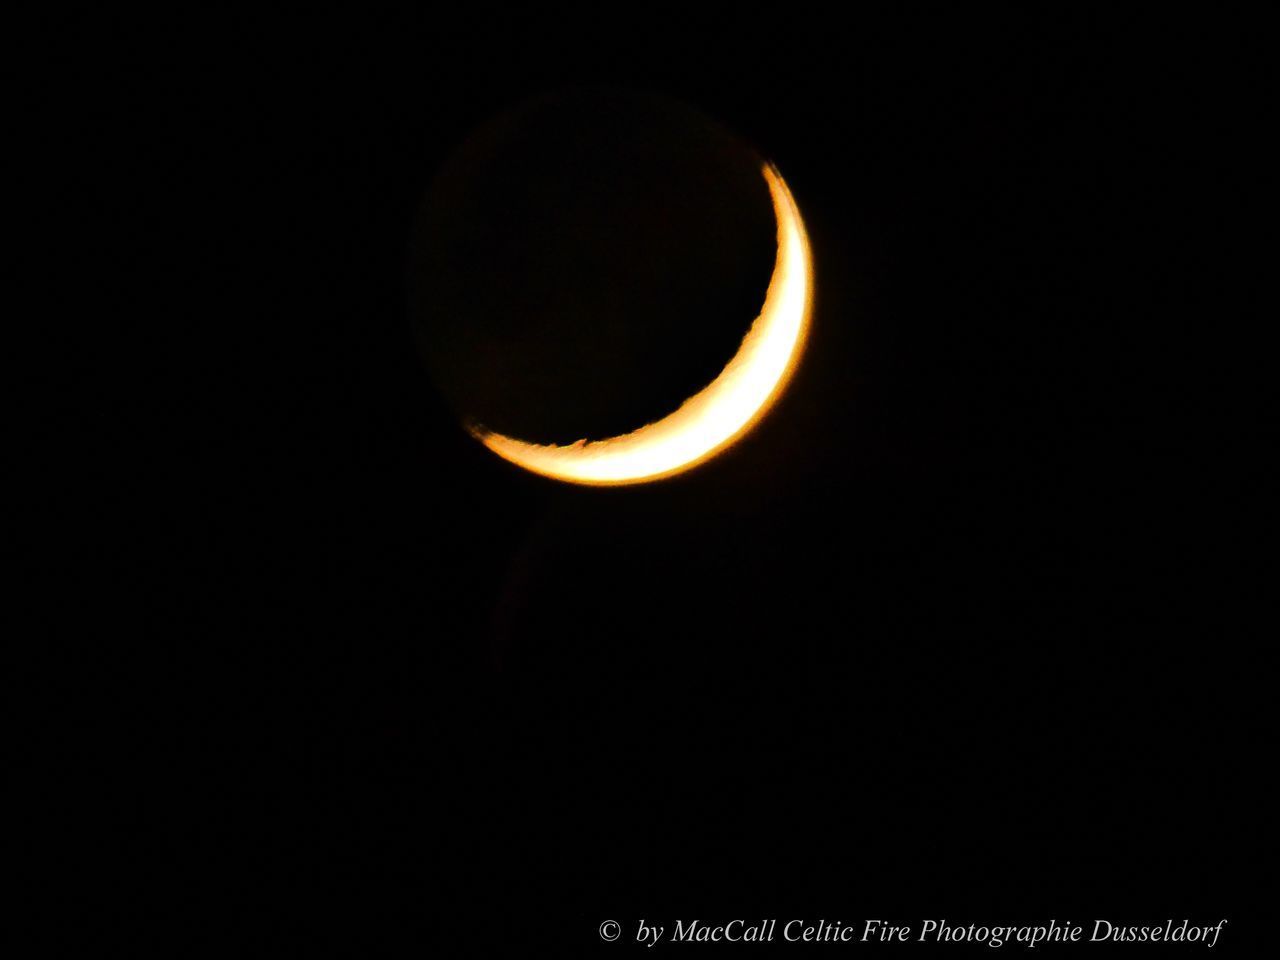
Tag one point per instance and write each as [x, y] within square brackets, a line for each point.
[586, 263]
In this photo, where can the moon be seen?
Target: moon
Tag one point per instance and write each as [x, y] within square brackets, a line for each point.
[721, 413]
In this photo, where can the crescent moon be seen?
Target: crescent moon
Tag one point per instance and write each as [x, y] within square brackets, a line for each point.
[722, 412]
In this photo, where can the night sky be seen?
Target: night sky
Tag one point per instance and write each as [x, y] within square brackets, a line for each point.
[956, 632]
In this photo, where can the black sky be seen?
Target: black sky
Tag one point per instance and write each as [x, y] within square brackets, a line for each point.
[952, 633]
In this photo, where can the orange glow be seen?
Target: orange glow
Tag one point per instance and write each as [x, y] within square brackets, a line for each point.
[723, 411]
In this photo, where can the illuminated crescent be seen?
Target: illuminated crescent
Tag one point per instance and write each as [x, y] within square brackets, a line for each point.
[723, 411]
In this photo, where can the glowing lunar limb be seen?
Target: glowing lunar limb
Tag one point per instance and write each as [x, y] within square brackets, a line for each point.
[723, 411]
